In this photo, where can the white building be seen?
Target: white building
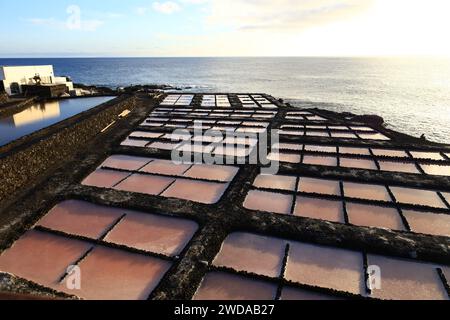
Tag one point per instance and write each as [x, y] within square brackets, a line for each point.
[14, 77]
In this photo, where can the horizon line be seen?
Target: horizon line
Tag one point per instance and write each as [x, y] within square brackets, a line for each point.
[196, 57]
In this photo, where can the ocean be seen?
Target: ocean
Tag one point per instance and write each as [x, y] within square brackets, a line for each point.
[411, 94]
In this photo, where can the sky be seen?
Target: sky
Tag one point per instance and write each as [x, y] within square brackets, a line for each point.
[182, 28]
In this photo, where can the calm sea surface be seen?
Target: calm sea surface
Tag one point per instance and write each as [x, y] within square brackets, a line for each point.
[413, 95]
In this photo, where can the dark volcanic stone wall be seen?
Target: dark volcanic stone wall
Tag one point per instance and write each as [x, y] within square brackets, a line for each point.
[3, 97]
[38, 155]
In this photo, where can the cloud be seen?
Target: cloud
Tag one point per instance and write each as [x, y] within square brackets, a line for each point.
[283, 15]
[167, 7]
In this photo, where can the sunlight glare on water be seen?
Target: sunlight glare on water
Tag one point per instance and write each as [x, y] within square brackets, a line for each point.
[411, 94]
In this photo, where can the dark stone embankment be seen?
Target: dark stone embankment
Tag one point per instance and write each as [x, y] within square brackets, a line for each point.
[143, 88]
[151, 88]
[3, 98]
[13, 288]
[97, 89]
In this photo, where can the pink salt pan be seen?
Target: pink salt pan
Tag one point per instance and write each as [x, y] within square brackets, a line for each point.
[446, 196]
[225, 286]
[338, 128]
[374, 216]
[232, 151]
[427, 155]
[145, 134]
[152, 233]
[147, 184]
[362, 128]
[134, 143]
[296, 294]
[291, 132]
[428, 223]
[288, 146]
[358, 163]
[41, 257]
[326, 267]
[165, 167]
[246, 252]
[110, 274]
[436, 170]
[398, 167]
[390, 153]
[164, 145]
[355, 151]
[81, 218]
[248, 141]
[197, 191]
[319, 186]
[212, 172]
[344, 135]
[125, 162]
[407, 280]
[366, 191]
[251, 130]
[309, 127]
[418, 197]
[318, 148]
[102, 178]
[284, 157]
[317, 133]
[373, 136]
[320, 161]
[269, 202]
[319, 209]
[275, 182]
[195, 148]
[151, 124]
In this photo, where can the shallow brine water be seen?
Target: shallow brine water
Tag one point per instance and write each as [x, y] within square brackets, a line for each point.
[42, 115]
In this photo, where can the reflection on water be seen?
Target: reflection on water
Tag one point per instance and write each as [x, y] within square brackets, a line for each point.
[41, 115]
[36, 113]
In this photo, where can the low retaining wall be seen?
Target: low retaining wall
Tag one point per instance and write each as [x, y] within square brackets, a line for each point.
[3, 97]
[23, 163]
